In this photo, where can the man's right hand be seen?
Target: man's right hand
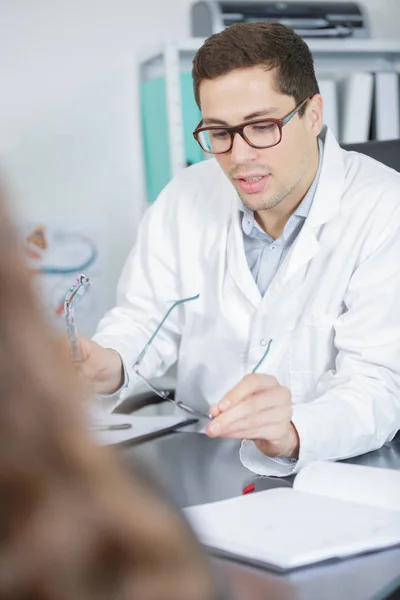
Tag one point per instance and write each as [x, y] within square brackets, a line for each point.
[101, 367]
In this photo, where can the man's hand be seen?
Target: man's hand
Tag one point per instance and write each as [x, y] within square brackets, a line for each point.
[101, 367]
[258, 409]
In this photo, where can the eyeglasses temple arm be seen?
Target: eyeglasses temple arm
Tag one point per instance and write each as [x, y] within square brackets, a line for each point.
[262, 358]
[177, 303]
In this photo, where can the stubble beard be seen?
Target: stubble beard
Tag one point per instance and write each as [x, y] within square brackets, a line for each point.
[269, 202]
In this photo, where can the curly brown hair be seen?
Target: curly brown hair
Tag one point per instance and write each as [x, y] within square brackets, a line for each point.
[73, 526]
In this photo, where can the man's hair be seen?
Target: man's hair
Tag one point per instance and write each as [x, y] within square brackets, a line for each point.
[269, 45]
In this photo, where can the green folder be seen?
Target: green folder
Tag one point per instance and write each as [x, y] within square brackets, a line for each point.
[155, 131]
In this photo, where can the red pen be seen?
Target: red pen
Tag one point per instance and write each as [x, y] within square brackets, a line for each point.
[248, 489]
[259, 483]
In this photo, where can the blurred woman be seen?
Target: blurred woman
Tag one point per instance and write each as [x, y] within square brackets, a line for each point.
[73, 526]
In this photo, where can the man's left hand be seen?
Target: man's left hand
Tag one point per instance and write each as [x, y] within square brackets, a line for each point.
[258, 409]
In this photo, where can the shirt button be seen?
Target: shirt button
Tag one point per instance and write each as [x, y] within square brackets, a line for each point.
[263, 342]
[272, 247]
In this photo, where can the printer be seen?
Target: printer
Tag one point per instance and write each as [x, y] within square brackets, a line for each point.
[308, 19]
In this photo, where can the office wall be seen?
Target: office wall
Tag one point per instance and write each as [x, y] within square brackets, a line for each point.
[70, 137]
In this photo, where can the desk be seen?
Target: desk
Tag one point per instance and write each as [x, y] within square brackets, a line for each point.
[194, 469]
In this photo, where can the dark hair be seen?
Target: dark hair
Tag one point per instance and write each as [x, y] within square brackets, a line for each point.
[73, 526]
[270, 45]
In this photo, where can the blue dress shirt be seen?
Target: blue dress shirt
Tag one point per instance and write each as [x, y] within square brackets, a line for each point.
[264, 254]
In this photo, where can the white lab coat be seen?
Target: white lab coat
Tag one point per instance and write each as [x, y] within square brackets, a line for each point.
[332, 310]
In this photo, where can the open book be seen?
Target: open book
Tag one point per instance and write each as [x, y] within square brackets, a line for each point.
[334, 510]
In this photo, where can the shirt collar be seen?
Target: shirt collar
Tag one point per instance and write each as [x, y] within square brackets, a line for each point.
[248, 220]
[304, 207]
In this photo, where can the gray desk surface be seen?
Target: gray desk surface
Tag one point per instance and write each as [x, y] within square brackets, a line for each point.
[194, 469]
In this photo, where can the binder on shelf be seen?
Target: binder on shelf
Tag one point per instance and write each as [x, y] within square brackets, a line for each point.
[357, 97]
[328, 91]
[387, 106]
[156, 143]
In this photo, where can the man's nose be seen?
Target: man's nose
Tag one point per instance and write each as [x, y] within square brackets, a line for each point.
[242, 152]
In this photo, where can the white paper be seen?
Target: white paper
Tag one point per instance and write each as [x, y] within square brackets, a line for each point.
[288, 528]
[367, 485]
[140, 426]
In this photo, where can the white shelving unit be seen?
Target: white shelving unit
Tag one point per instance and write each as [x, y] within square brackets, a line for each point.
[334, 58]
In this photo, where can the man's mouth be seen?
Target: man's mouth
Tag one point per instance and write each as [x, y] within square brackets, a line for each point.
[256, 178]
[252, 184]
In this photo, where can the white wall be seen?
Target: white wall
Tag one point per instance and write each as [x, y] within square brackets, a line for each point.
[69, 136]
[69, 139]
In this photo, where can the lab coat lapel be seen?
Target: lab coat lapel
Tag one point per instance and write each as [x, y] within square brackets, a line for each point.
[237, 265]
[325, 205]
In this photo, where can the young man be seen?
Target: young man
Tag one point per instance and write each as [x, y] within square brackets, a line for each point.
[292, 246]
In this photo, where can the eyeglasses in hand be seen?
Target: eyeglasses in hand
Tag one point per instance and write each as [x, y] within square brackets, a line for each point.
[74, 294]
[164, 394]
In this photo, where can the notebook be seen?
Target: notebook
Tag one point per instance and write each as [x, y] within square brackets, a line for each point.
[333, 511]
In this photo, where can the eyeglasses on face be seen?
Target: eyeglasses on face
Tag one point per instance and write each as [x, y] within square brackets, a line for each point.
[260, 133]
[164, 394]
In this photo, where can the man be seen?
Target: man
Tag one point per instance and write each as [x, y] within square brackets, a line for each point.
[285, 252]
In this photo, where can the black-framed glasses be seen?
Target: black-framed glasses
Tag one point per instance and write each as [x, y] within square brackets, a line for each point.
[260, 133]
[164, 394]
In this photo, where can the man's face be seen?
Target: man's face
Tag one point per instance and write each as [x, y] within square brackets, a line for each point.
[249, 94]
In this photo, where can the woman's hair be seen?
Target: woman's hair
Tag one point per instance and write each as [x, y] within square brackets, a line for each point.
[268, 45]
[73, 525]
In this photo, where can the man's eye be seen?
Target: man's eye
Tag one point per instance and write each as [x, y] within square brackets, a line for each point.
[262, 127]
[219, 135]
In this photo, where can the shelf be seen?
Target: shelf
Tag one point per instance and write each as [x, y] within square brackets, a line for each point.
[333, 58]
[339, 46]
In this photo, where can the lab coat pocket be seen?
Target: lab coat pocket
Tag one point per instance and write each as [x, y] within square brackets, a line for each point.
[311, 354]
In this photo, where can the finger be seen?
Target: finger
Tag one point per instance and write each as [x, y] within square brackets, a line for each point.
[270, 433]
[250, 384]
[254, 426]
[251, 409]
[214, 411]
[253, 406]
[84, 348]
[63, 343]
